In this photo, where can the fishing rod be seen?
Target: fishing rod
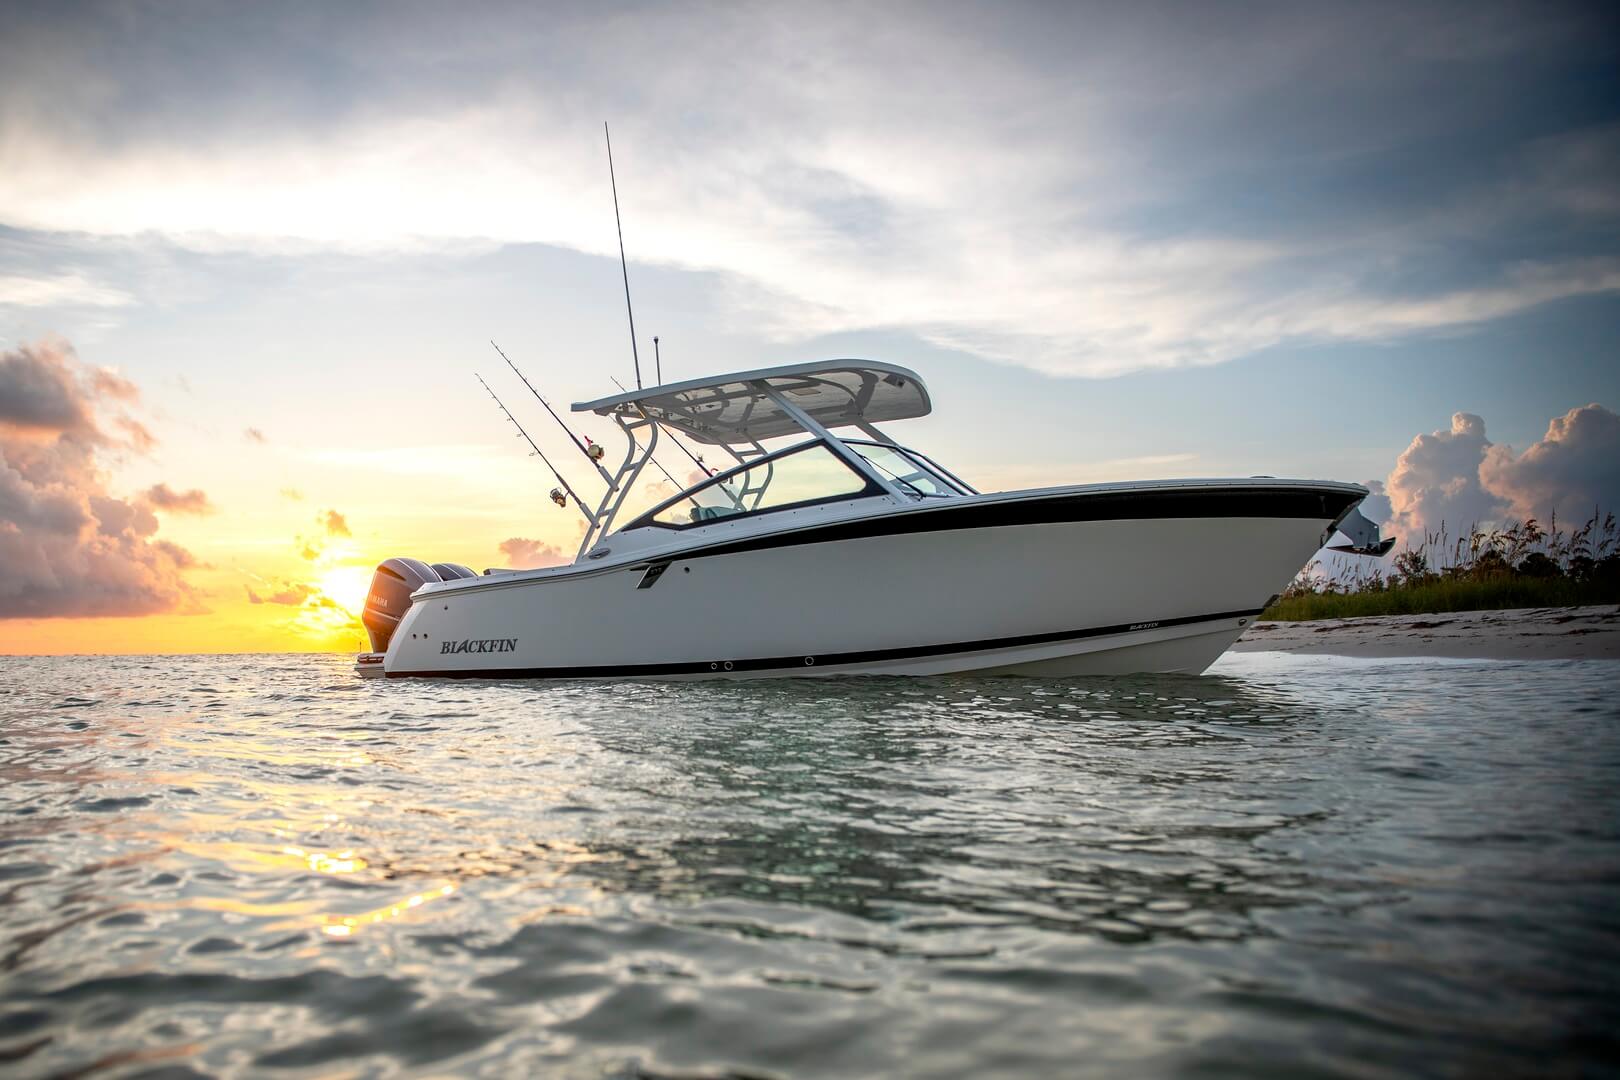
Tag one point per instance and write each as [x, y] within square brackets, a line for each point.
[596, 458]
[624, 267]
[556, 496]
[658, 361]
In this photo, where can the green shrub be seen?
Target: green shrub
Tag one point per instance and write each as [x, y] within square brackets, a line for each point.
[1521, 565]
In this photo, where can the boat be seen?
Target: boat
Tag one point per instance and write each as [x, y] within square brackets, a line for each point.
[839, 551]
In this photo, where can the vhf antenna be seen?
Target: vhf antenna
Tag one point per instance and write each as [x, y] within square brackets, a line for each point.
[592, 458]
[556, 496]
[658, 361]
[624, 267]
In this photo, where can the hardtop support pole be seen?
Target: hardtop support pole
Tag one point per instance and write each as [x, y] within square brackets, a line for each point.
[624, 480]
[872, 432]
[810, 424]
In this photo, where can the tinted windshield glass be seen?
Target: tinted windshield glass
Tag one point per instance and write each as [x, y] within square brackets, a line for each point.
[908, 474]
[809, 474]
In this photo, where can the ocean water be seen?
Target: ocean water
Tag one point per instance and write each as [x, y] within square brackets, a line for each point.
[234, 866]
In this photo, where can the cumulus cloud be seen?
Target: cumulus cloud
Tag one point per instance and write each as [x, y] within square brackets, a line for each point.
[163, 497]
[1436, 479]
[43, 391]
[525, 554]
[68, 546]
[334, 523]
[1459, 478]
[1574, 469]
[253, 434]
[1376, 506]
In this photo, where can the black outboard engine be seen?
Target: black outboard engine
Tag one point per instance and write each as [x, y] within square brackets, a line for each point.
[390, 596]
[449, 571]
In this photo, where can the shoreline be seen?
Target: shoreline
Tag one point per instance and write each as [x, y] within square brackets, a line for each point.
[1572, 633]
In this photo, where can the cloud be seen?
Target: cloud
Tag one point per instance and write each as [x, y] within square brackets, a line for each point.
[253, 434]
[331, 523]
[293, 494]
[1034, 188]
[42, 389]
[68, 546]
[140, 439]
[1574, 469]
[162, 497]
[60, 290]
[525, 554]
[292, 594]
[182, 558]
[1460, 479]
[107, 383]
[1436, 480]
[46, 391]
[1376, 506]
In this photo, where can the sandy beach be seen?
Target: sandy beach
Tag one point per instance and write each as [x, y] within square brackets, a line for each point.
[1580, 633]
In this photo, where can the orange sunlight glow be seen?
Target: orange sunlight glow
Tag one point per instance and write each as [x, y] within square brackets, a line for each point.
[331, 611]
[346, 925]
[342, 862]
[347, 586]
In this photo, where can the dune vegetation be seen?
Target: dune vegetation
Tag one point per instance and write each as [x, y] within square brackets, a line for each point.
[1520, 566]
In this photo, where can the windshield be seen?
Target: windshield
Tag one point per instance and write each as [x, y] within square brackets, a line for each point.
[907, 472]
[807, 474]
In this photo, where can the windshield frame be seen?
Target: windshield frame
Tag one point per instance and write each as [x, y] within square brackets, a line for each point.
[868, 489]
[924, 464]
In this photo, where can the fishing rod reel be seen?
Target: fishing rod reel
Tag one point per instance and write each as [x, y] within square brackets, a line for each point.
[558, 497]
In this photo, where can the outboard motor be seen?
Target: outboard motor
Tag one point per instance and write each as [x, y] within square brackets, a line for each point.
[390, 595]
[449, 571]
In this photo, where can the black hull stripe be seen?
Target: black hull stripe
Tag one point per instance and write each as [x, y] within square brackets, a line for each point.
[821, 660]
[1323, 504]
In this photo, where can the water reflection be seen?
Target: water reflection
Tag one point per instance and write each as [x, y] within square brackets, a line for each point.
[989, 803]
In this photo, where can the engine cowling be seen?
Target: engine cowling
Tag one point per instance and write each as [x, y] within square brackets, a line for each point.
[390, 596]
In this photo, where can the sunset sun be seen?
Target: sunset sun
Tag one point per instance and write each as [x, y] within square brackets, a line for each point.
[346, 586]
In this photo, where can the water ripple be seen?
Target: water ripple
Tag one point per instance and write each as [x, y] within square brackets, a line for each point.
[223, 866]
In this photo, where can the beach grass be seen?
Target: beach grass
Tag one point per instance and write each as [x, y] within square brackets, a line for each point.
[1519, 566]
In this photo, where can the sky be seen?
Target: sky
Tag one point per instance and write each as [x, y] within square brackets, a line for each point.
[251, 257]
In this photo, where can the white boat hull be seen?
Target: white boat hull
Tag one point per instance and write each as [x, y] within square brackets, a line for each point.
[1157, 593]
